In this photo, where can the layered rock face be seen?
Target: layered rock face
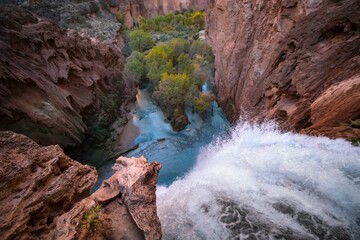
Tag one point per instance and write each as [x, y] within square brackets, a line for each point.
[294, 61]
[37, 185]
[45, 195]
[52, 80]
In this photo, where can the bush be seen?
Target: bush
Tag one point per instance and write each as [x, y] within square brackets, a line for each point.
[198, 19]
[203, 102]
[184, 64]
[135, 67]
[178, 45]
[140, 41]
[201, 48]
[159, 61]
[174, 88]
[120, 17]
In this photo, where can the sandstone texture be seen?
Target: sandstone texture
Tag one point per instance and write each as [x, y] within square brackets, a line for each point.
[56, 86]
[124, 207]
[294, 61]
[37, 185]
[45, 195]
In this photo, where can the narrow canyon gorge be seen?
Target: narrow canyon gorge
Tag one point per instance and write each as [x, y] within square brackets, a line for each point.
[87, 153]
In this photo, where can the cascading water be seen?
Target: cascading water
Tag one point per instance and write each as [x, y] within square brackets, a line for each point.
[256, 183]
[260, 183]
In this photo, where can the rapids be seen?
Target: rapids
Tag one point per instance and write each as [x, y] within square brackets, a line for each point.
[259, 183]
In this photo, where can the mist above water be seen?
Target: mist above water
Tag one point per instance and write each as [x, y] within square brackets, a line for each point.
[260, 183]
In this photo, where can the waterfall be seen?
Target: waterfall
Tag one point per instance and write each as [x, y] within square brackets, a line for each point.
[259, 183]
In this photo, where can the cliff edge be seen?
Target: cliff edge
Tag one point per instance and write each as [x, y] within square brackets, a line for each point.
[294, 61]
[45, 195]
[56, 86]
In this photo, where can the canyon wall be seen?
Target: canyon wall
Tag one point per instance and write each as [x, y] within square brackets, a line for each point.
[45, 195]
[95, 17]
[56, 86]
[294, 61]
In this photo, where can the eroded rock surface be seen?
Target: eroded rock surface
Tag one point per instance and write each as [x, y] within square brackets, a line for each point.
[37, 185]
[45, 195]
[294, 61]
[95, 18]
[55, 86]
[124, 207]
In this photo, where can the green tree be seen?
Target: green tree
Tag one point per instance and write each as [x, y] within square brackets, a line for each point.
[175, 89]
[135, 67]
[140, 40]
[184, 64]
[159, 60]
[178, 45]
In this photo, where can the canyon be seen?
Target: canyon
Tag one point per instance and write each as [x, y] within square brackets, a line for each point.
[294, 62]
[96, 18]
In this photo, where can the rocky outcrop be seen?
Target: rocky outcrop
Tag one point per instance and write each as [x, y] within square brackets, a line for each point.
[94, 18]
[294, 61]
[45, 195]
[56, 86]
[37, 185]
[123, 208]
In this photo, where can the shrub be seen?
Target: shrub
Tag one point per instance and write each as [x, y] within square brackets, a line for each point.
[173, 89]
[135, 67]
[201, 48]
[120, 17]
[203, 102]
[140, 41]
[90, 218]
[178, 45]
[184, 64]
[158, 61]
[198, 19]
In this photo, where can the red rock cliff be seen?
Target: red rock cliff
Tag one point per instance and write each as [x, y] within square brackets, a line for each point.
[50, 79]
[37, 185]
[151, 8]
[294, 61]
[45, 195]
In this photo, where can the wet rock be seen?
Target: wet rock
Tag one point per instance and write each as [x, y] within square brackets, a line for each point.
[293, 61]
[37, 185]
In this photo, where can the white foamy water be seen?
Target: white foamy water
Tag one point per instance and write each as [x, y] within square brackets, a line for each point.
[263, 184]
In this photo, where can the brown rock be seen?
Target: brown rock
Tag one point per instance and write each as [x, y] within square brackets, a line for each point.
[151, 8]
[37, 185]
[50, 78]
[294, 61]
[128, 206]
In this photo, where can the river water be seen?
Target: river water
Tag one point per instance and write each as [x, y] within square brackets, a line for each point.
[177, 151]
[247, 182]
[259, 183]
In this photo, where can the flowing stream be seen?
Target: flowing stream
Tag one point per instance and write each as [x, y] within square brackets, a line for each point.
[248, 182]
[177, 151]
